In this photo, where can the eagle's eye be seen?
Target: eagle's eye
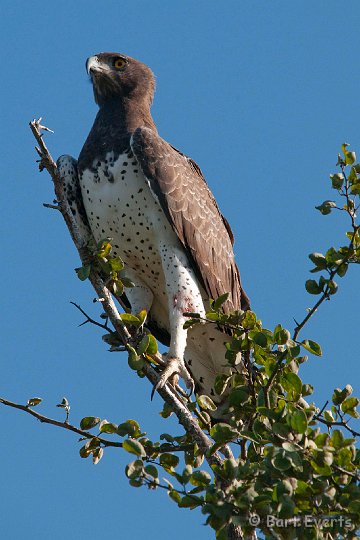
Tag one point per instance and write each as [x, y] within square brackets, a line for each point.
[119, 63]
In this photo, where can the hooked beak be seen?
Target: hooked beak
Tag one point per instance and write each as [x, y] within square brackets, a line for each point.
[92, 64]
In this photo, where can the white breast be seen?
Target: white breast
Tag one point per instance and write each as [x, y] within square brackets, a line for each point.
[120, 205]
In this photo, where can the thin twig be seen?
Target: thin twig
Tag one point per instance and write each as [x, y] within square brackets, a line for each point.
[342, 424]
[347, 259]
[90, 320]
[344, 471]
[64, 425]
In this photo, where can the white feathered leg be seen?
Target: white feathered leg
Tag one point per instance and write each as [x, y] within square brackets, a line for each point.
[184, 295]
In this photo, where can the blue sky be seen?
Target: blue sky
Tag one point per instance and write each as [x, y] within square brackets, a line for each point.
[261, 94]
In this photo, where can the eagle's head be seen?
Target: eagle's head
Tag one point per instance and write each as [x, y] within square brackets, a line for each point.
[116, 76]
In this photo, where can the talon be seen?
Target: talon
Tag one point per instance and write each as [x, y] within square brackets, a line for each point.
[173, 369]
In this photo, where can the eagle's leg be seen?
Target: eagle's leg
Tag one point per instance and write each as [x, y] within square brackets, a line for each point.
[183, 295]
[140, 296]
[67, 167]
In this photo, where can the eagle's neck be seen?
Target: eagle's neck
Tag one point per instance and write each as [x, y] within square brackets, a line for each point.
[115, 122]
[126, 115]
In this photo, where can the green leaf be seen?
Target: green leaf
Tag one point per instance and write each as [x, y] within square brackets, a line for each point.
[329, 416]
[333, 257]
[153, 346]
[337, 180]
[130, 427]
[350, 158]
[344, 457]
[290, 447]
[337, 438]
[174, 495]
[281, 429]
[143, 345]
[343, 268]
[332, 286]
[338, 396]
[349, 404]
[118, 287]
[84, 452]
[322, 469]
[64, 404]
[221, 383]
[307, 390]
[286, 507]
[131, 319]
[260, 338]
[189, 323]
[355, 188]
[134, 360]
[89, 422]
[136, 482]
[212, 316]
[298, 421]
[169, 461]
[354, 507]
[127, 282]
[325, 207]
[249, 320]
[223, 433]
[281, 335]
[167, 411]
[112, 339]
[281, 462]
[312, 287]
[200, 478]
[220, 301]
[205, 402]
[318, 259]
[312, 347]
[134, 447]
[107, 427]
[32, 402]
[97, 455]
[152, 471]
[291, 383]
[83, 272]
[134, 469]
[344, 147]
[239, 396]
[142, 315]
[229, 469]
[190, 501]
[116, 264]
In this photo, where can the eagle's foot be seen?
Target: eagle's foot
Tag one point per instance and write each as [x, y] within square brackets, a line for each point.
[175, 367]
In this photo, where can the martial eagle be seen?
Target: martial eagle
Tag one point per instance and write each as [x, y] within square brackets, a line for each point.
[154, 203]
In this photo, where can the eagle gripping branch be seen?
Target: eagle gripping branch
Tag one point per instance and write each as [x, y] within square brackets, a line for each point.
[184, 416]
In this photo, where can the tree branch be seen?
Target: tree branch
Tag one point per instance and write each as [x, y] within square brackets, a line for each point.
[346, 260]
[64, 425]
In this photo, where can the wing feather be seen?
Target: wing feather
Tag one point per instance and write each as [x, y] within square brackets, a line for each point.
[190, 207]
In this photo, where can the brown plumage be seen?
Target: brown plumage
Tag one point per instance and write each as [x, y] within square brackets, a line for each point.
[194, 215]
